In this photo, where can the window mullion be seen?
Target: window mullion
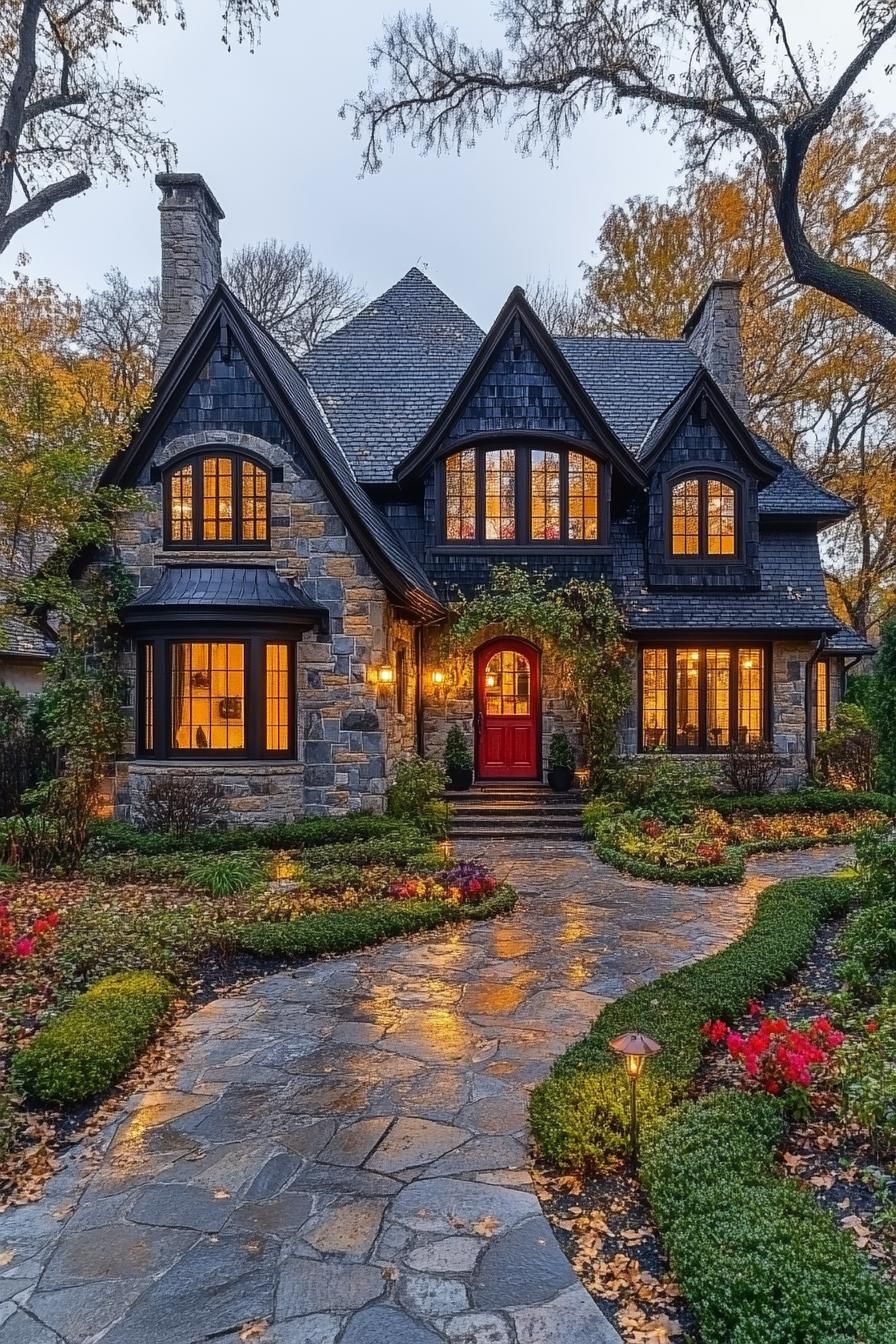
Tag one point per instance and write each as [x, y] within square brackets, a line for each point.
[564, 495]
[672, 694]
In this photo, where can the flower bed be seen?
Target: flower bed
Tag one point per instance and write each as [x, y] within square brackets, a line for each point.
[193, 921]
[709, 849]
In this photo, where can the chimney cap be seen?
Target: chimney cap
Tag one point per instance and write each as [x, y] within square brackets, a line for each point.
[723, 282]
[169, 182]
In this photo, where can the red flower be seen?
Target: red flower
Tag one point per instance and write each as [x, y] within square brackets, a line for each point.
[52, 919]
[23, 947]
[715, 1032]
[474, 887]
[39, 926]
[871, 1026]
[754, 1007]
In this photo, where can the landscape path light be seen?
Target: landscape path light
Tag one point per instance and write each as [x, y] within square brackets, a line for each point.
[635, 1049]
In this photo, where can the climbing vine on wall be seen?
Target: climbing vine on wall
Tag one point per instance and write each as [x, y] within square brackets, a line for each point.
[580, 624]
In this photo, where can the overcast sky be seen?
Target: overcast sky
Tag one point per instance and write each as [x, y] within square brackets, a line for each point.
[264, 131]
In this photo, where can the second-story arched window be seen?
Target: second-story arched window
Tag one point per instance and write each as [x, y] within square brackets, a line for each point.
[217, 499]
[703, 518]
[521, 494]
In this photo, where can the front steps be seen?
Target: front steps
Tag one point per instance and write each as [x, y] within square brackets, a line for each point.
[508, 811]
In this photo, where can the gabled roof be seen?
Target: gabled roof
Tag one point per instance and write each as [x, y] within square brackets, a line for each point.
[704, 391]
[518, 310]
[294, 400]
[383, 377]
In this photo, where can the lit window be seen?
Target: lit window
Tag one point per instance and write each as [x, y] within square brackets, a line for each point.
[545, 496]
[460, 496]
[704, 518]
[655, 699]
[822, 697]
[149, 722]
[507, 685]
[583, 498]
[715, 696]
[276, 659]
[181, 504]
[208, 697]
[500, 495]
[230, 494]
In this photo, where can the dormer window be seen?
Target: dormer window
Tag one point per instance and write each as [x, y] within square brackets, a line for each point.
[217, 500]
[521, 495]
[703, 512]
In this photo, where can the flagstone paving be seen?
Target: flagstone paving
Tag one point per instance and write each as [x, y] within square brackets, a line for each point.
[343, 1153]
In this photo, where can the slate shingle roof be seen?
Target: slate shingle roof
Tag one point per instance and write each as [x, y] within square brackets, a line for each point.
[792, 594]
[18, 640]
[849, 642]
[384, 376]
[238, 586]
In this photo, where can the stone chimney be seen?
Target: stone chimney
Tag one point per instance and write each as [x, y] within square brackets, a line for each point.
[191, 256]
[713, 333]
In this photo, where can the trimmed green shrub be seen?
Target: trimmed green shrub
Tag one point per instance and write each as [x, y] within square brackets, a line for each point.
[118, 837]
[576, 1112]
[346, 930]
[846, 751]
[758, 1260]
[804, 800]
[86, 1049]
[415, 795]
[664, 785]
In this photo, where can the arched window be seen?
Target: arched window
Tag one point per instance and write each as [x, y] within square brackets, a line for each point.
[544, 495]
[704, 524]
[217, 499]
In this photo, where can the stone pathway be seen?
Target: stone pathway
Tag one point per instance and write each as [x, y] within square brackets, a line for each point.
[344, 1152]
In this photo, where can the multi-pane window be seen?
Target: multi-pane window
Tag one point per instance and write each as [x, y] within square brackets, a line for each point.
[545, 495]
[655, 699]
[584, 498]
[703, 518]
[460, 496]
[521, 495]
[698, 698]
[276, 696]
[218, 499]
[822, 696]
[216, 697]
[507, 684]
[500, 495]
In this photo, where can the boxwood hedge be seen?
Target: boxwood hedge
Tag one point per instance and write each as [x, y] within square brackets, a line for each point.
[578, 1113]
[119, 837]
[347, 930]
[758, 1260]
[84, 1050]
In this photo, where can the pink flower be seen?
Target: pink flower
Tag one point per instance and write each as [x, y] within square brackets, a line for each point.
[23, 947]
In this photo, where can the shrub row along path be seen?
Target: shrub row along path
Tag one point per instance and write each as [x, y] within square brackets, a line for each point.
[343, 1152]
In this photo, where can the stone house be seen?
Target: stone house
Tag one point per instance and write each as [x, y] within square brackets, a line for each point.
[302, 529]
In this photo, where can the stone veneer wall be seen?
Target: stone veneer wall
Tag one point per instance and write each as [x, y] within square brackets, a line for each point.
[455, 702]
[788, 712]
[350, 734]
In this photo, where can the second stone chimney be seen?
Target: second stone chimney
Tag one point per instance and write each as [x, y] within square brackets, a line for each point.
[191, 256]
[713, 333]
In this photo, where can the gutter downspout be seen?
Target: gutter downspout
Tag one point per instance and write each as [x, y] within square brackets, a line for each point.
[810, 735]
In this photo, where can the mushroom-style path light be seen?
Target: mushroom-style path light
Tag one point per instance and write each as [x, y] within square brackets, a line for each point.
[635, 1049]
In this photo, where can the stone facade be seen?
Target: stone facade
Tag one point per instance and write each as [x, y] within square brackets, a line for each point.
[350, 731]
[191, 256]
[714, 334]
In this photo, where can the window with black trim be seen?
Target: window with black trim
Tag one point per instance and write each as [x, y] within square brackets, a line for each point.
[518, 495]
[217, 499]
[822, 696]
[401, 681]
[703, 698]
[221, 696]
[703, 518]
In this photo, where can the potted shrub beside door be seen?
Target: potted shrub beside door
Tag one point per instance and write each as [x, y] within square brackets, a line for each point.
[458, 760]
[561, 763]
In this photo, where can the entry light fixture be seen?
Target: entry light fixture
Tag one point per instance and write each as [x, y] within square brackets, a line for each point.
[385, 674]
[634, 1049]
[438, 677]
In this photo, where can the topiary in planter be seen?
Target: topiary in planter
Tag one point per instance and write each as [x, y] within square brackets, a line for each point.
[458, 760]
[561, 763]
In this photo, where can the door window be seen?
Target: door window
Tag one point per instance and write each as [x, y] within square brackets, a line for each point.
[507, 685]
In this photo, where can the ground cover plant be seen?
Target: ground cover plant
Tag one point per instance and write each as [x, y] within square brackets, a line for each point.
[90, 964]
[679, 832]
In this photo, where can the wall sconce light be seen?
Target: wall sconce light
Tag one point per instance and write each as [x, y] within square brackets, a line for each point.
[385, 674]
[634, 1050]
[438, 677]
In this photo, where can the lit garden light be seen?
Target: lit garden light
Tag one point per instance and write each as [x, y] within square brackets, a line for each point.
[635, 1050]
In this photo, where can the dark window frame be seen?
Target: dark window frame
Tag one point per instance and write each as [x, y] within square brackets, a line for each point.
[401, 680]
[826, 663]
[194, 460]
[255, 694]
[703, 475]
[522, 446]
[702, 644]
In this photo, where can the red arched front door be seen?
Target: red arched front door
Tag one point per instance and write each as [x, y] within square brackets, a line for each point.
[508, 717]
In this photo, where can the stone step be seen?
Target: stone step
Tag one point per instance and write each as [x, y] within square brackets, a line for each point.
[516, 826]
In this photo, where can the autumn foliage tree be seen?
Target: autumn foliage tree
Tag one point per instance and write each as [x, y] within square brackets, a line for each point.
[822, 379]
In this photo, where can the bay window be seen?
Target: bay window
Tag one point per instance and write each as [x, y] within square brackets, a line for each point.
[226, 696]
[697, 698]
